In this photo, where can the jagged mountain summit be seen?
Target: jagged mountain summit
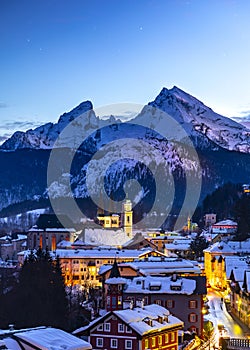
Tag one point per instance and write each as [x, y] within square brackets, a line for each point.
[222, 147]
[43, 137]
[200, 122]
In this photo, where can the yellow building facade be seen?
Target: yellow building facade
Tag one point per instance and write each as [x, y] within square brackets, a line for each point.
[214, 264]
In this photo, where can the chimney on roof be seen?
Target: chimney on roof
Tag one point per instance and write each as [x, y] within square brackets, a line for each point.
[11, 327]
[174, 277]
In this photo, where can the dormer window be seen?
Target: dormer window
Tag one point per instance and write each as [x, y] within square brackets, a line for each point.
[175, 287]
[155, 286]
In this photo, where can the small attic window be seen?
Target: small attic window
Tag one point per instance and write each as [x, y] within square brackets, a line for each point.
[155, 286]
[175, 287]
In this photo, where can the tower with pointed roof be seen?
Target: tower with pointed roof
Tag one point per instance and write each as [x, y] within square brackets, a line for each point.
[114, 289]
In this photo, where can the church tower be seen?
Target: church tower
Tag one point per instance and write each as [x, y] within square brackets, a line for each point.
[189, 224]
[127, 217]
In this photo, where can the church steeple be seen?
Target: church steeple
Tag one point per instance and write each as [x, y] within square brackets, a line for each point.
[114, 271]
[127, 217]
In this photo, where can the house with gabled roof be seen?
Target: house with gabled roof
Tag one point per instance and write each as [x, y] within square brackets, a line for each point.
[144, 328]
[227, 227]
[182, 296]
[214, 262]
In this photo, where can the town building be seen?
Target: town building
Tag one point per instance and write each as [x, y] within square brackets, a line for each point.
[115, 221]
[225, 227]
[138, 242]
[160, 239]
[11, 245]
[136, 328]
[220, 258]
[81, 266]
[182, 296]
[240, 293]
[214, 264]
[209, 219]
[180, 247]
[49, 231]
[246, 188]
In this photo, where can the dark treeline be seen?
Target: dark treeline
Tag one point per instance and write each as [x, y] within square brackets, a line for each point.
[228, 202]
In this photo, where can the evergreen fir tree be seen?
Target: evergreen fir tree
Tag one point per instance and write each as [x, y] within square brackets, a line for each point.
[197, 245]
[39, 298]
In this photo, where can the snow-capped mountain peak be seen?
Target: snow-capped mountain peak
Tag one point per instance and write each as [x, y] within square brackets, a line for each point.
[199, 120]
[83, 107]
[44, 136]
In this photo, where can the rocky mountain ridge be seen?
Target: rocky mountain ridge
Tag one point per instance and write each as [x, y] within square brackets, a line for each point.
[146, 149]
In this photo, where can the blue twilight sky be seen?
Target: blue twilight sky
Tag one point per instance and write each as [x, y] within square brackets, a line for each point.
[55, 54]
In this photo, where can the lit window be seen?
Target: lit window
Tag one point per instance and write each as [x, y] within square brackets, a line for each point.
[113, 343]
[146, 343]
[99, 342]
[128, 344]
[121, 328]
[172, 337]
[192, 304]
[107, 327]
[158, 302]
[153, 341]
[193, 318]
[160, 340]
[166, 338]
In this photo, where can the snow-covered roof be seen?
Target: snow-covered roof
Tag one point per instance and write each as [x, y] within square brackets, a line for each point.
[20, 237]
[149, 318]
[101, 253]
[238, 274]
[179, 245]
[101, 236]
[104, 268]
[220, 248]
[144, 284]
[226, 223]
[52, 339]
[240, 247]
[79, 242]
[164, 266]
[11, 344]
[116, 280]
[56, 229]
[64, 243]
[237, 264]
[247, 281]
